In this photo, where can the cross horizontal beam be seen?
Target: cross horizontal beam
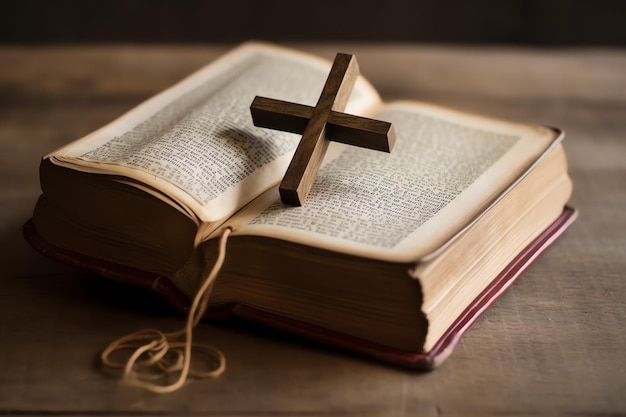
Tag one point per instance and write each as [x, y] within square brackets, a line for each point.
[340, 127]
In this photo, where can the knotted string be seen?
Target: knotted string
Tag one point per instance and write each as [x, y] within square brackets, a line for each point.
[157, 355]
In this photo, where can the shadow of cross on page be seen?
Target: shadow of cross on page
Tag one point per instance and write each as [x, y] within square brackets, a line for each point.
[319, 125]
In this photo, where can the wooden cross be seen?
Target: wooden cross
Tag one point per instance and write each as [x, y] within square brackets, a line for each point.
[320, 124]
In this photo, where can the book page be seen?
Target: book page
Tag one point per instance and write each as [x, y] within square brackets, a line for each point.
[445, 169]
[196, 142]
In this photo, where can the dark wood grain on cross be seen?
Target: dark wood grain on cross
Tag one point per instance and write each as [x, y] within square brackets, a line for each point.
[320, 124]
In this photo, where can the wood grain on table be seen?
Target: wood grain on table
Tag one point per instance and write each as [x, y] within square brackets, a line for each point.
[553, 345]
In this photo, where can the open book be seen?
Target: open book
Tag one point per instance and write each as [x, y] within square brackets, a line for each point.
[392, 255]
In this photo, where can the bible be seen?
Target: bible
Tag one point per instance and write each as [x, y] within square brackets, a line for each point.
[392, 256]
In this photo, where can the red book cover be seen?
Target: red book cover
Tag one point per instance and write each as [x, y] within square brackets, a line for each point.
[418, 360]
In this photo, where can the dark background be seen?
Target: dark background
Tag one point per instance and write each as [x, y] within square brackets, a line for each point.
[519, 22]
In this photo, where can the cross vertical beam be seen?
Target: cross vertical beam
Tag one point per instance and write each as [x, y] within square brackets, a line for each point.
[308, 156]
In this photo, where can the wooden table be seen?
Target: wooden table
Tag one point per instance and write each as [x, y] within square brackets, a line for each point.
[555, 344]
